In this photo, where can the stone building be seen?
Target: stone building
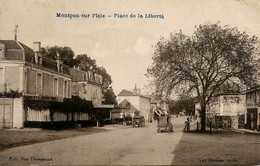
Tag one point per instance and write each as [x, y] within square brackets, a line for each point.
[27, 72]
[139, 101]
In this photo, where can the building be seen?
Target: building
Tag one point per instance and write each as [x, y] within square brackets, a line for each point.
[27, 72]
[125, 108]
[139, 101]
[228, 105]
[226, 110]
[87, 85]
[159, 107]
[252, 116]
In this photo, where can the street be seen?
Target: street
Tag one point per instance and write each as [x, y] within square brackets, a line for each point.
[124, 145]
[121, 145]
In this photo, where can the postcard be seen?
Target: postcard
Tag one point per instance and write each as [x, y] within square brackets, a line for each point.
[130, 82]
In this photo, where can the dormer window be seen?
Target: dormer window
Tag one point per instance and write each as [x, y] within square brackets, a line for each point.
[1, 53]
[2, 50]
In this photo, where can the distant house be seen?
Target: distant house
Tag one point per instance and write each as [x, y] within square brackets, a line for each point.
[123, 109]
[228, 104]
[88, 86]
[226, 110]
[252, 116]
[37, 78]
[139, 101]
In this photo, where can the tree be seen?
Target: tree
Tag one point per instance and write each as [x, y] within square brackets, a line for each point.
[106, 79]
[84, 62]
[66, 54]
[110, 97]
[204, 62]
[183, 103]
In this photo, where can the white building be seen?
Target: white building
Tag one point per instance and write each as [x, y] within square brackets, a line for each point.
[140, 102]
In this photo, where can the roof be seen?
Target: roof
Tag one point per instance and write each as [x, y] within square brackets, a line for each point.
[26, 48]
[126, 104]
[126, 93]
[10, 44]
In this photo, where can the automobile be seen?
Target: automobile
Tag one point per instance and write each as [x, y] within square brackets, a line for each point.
[138, 121]
[164, 124]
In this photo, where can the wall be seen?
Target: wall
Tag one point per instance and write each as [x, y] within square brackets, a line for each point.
[145, 107]
[40, 82]
[88, 91]
[228, 105]
[18, 113]
[13, 111]
[12, 77]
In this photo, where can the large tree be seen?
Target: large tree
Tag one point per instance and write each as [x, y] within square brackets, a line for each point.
[202, 63]
[66, 54]
[84, 62]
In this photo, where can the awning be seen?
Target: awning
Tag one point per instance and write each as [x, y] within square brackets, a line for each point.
[157, 112]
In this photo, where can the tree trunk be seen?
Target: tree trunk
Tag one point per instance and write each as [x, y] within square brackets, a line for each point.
[203, 118]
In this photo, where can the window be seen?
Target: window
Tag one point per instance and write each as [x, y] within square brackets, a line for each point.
[65, 89]
[55, 88]
[39, 60]
[39, 84]
[1, 53]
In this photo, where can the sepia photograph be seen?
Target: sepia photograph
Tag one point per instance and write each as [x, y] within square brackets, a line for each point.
[129, 82]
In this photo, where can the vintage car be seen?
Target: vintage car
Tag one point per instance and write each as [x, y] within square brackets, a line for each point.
[138, 121]
[164, 124]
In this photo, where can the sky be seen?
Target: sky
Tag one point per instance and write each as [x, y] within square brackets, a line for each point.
[124, 46]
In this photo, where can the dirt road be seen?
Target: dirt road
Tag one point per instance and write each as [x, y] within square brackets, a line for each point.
[120, 145]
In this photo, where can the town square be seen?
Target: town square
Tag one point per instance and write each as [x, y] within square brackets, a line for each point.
[113, 83]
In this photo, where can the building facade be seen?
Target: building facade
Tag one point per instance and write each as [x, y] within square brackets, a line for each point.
[252, 116]
[227, 105]
[140, 102]
[87, 85]
[26, 71]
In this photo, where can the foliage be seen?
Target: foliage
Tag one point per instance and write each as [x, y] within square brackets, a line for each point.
[84, 62]
[203, 63]
[183, 103]
[36, 104]
[66, 54]
[106, 78]
[110, 97]
[74, 105]
[11, 94]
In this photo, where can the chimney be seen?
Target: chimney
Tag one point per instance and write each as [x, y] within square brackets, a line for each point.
[59, 62]
[36, 50]
[136, 91]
